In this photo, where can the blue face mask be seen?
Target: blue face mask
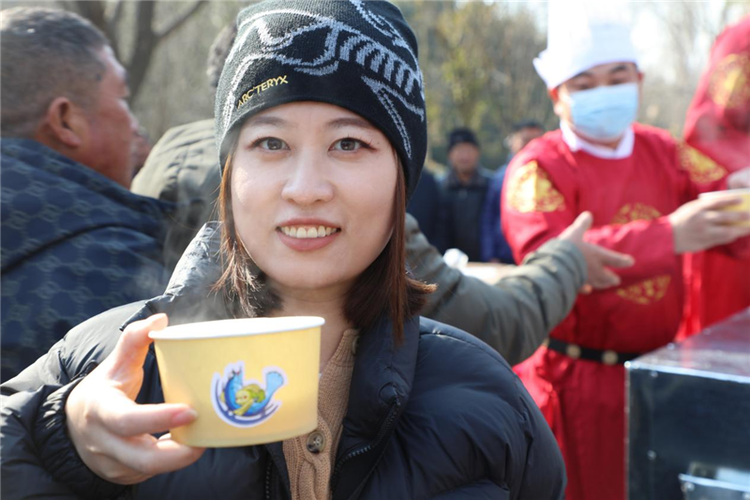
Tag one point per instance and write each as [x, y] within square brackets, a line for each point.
[604, 113]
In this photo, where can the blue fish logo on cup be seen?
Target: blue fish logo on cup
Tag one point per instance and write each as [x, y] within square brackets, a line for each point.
[246, 403]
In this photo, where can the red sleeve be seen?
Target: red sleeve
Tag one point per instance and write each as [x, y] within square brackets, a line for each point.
[650, 242]
[535, 208]
[701, 173]
[540, 202]
[704, 175]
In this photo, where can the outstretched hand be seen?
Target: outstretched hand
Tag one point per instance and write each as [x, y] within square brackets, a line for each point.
[112, 433]
[598, 259]
[703, 223]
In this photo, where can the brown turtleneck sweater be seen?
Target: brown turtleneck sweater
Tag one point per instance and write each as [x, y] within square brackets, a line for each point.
[310, 457]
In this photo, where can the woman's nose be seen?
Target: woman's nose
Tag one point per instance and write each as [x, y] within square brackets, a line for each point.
[308, 183]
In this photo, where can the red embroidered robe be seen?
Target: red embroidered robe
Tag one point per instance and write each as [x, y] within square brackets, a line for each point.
[547, 186]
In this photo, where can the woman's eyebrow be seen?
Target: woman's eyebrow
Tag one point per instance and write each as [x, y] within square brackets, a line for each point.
[350, 122]
[273, 121]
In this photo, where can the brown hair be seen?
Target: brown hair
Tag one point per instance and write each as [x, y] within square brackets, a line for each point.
[384, 288]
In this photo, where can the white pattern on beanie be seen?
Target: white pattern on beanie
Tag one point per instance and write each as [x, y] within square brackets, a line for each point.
[326, 62]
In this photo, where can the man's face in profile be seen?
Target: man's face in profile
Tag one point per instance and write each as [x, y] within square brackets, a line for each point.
[112, 128]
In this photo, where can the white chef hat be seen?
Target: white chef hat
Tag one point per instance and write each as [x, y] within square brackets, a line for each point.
[581, 36]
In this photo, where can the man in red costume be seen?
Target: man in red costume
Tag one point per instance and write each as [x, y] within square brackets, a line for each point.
[718, 125]
[638, 184]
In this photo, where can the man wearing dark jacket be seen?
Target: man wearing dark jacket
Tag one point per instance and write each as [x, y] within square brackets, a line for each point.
[464, 190]
[495, 246]
[425, 206]
[75, 241]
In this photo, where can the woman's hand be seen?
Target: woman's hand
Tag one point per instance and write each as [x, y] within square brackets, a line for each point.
[112, 433]
[598, 259]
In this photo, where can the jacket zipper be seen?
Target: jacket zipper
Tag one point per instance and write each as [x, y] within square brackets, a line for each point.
[384, 430]
[268, 478]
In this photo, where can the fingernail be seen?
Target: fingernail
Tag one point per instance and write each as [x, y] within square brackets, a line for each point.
[184, 417]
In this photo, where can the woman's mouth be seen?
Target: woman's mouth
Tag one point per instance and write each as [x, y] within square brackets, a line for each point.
[308, 232]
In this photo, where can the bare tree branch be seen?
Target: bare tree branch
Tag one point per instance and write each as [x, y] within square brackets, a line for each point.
[93, 11]
[114, 18]
[145, 42]
[180, 20]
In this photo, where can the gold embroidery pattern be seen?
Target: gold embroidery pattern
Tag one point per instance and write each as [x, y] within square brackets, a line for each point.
[531, 190]
[646, 292]
[700, 167]
[651, 290]
[730, 83]
[635, 211]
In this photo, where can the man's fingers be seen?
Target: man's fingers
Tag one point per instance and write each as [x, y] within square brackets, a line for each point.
[739, 179]
[604, 278]
[727, 217]
[610, 258]
[583, 222]
[721, 235]
[131, 419]
[579, 226]
[719, 203]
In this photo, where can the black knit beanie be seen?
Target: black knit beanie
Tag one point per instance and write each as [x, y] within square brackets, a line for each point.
[461, 135]
[359, 55]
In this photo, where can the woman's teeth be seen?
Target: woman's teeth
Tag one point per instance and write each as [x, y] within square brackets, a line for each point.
[308, 232]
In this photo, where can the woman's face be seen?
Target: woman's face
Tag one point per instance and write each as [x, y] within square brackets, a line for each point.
[313, 193]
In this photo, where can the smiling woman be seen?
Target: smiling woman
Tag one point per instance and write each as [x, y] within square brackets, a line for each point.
[311, 192]
[316, 175]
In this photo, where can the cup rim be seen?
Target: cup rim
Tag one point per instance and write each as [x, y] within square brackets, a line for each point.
[237, 327]
[725, 192]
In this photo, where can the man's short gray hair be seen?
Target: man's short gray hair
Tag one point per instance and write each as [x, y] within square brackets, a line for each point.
[45, 54]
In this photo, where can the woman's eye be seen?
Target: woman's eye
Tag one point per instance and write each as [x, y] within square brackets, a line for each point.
[348, 144]
[271, 144]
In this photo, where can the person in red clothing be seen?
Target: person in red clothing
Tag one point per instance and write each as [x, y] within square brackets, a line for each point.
[718, 125]
[640, 185]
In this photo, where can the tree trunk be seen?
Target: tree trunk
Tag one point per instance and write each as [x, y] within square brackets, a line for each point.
[145, 36]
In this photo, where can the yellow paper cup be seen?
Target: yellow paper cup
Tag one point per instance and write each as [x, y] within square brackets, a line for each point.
[744, 206]
[251, 381]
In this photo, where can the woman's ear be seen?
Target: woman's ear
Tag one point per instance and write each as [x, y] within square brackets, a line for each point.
[65, 124]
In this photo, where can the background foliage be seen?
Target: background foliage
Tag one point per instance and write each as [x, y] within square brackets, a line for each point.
[476, 57]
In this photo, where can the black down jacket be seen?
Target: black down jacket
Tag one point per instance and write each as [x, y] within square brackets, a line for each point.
[440, 416]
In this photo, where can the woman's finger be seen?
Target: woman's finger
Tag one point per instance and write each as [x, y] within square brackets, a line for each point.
[125, 418]
[133, 345]
[147, 456]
